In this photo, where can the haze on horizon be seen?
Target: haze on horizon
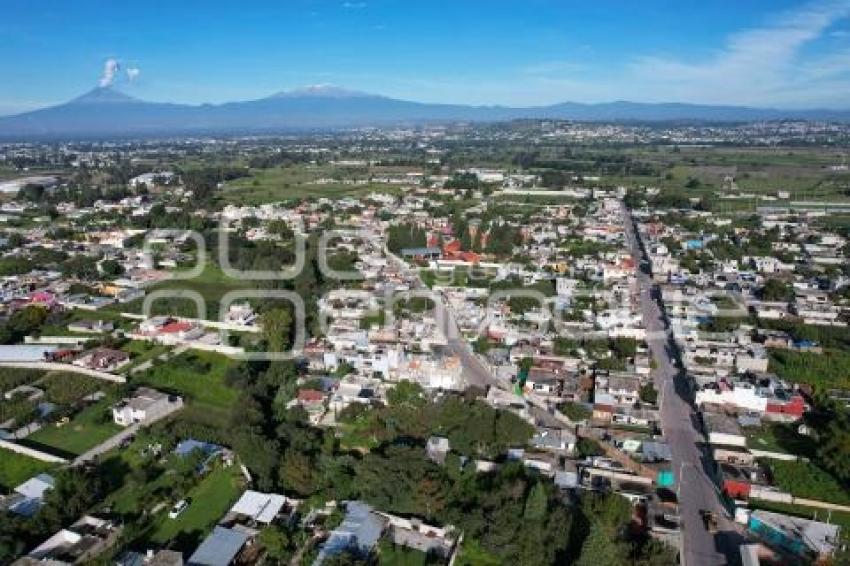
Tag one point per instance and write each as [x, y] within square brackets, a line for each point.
[767, 53]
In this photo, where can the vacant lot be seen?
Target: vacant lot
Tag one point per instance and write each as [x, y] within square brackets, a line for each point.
[823, 371]
[87, 429]
[211, 499]
[16, 468]
[778, 437]
[301, 181]
[806, 480]
[198, 377]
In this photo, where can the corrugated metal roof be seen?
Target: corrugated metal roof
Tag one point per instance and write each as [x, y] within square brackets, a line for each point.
[219, 549]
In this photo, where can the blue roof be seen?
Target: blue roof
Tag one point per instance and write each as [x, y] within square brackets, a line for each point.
[359, 531]
[186, 447]
[220, 548]
[420, 251]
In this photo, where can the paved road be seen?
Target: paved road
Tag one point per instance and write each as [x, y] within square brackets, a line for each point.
[116, 440]
[680, 425]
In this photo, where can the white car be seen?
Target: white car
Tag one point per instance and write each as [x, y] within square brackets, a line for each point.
[178, 508]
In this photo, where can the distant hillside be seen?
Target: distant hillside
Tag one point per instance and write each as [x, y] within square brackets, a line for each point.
[108, 112]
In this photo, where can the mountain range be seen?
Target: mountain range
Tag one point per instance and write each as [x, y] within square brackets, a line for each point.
[107, 112]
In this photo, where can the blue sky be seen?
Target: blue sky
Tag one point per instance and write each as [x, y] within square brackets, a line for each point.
[756, 52]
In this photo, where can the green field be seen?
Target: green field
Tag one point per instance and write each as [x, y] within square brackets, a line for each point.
[87, 429]
[298, 181]
[212, 284]
[142, 351]
[211, 499]
[16, 468]
[806, 480]
[198, 377]
[830, 370]
[390, 554]
[779, 437]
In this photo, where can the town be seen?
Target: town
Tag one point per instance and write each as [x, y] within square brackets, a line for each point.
[441, 345]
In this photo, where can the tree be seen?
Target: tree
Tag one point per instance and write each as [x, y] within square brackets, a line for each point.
[277, 325]
[281, 229]
[406, 393]
[776, 290]
[536, 503]
[275, 541]
[296, 473]
[834, 446]
[81, 267]
[111, 268]
[648, 394]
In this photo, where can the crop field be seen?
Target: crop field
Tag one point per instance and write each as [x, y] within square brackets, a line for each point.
[300, 181]
[806, 173]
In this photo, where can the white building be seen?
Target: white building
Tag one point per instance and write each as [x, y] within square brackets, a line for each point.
[145, 405]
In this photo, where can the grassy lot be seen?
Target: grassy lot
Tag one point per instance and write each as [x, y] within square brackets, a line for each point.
[211, 499]
[575, 411]
[141, 351]
[357, 435]
[802, 171]
[212, 284]
[13, 377]
[87, 429]
[806, 480]
[16, 468]
[196, 376]
[298, 181]
[471, 554]
[390, 554]
[778, 437]
[823, 371]
[60, 328]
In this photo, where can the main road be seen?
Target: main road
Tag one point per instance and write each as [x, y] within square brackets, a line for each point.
[680, 423]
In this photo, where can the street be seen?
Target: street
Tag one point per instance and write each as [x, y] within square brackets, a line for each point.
[680, 425]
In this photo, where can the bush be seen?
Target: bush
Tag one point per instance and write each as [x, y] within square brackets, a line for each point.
[575, 411]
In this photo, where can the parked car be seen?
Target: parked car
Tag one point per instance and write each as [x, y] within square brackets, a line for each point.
[710, 520]
[178, 508]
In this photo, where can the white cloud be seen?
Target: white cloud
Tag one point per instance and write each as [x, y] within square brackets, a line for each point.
[133, 73]
[354, 5]
[110, 69]
[789, 61]
[756, 66]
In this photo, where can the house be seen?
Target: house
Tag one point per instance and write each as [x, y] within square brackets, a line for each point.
[310, 398]
[26, 353]
[437, 449]
[78, 544]
[145, 405]
[413, 533]
[27, 498]
[554, 439]
[103, 359]
[240, 315]
[187, 447]
[260, 507]
[723, 430]
[801, 538]
[542, 381]
[91, 326]
[359, 532]
[160, 558]
[421, 253]
[617, 390]
[220, 548]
